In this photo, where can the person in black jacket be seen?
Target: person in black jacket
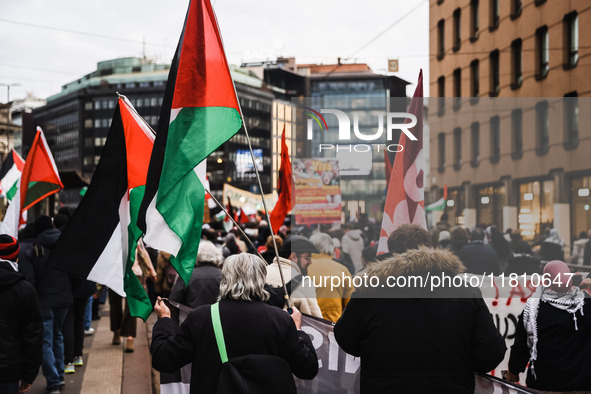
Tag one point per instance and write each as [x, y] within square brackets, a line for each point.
[55, 297]
[21, 326]
[553, 335]
[250, 326]
[478, 258]
[204, 285]
[419, 342]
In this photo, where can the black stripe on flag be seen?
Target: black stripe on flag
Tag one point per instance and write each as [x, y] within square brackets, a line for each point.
[90, 228]
[7, 165]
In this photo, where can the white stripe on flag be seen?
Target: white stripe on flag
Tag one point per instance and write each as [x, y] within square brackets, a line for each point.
[10, 223]
[158, 234]
[11, 177]
[110, 266]
[175, 388]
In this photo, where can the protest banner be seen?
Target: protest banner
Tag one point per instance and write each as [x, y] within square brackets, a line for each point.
[317, 191]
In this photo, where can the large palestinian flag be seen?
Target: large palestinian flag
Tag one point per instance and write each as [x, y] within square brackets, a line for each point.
[200, 112]
[10, 174]
[100, 240]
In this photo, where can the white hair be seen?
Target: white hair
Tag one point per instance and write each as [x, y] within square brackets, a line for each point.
[323, 242]
[209, 253]
[243, 278]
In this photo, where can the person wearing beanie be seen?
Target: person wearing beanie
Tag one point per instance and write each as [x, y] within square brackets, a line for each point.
[54, 289]
[552, 335]
[21, 324]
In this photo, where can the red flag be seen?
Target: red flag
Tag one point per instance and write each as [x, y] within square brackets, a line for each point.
[283, 205]
[405, 202]
[40, 177]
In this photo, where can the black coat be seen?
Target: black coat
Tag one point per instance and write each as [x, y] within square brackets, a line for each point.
[203, 289]
[420, 345]
[480, 259]
[523, 264]
[21, 327]
[563, 362]
[53, 287]
[249, 328]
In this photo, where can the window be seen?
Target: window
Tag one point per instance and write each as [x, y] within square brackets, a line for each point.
[494, 15]
[474, 19]
[457, 30]
[440, 39]
[97, 104]
[97, 123]
[516, 134]
[495, 84]
[88, 123]
[570, 30]
[88, 105]
[457, 87]
[441, 94]
[475, 78]
[475, 133]
[111, 104]
[457, 148]
[542, 126]
[516, 64]
[516, 8]
[495, 139]
[542, 53]
[571, 120]
[441, 143]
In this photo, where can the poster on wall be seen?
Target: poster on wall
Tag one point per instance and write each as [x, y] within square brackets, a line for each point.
[317, 197]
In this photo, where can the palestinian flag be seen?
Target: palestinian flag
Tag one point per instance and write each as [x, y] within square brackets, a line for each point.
[438, 205]
[100, 241]
[10, 174]
[200, 112]
[40, 177]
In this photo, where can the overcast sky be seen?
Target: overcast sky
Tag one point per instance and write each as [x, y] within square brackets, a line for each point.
[42, 59]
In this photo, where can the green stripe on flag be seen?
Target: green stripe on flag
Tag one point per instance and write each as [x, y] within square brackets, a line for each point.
[12, 192]
[192, 136]
[38, 190]
[137, 299]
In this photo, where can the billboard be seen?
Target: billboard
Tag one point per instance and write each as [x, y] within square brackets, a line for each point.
[317, 197]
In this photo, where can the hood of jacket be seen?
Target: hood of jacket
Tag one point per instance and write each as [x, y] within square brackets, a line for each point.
[8, 276]
[418, 262]
[48, 238]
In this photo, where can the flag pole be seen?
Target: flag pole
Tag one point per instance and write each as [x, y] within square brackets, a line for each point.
[234, 221]
[286, 295]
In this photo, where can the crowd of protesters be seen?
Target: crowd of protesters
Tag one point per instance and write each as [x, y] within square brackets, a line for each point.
[239, 277]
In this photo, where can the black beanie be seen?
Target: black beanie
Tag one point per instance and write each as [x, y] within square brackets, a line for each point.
[42, 223]
[9, 247]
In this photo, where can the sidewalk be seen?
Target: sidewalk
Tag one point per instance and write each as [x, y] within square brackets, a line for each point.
[108, 369]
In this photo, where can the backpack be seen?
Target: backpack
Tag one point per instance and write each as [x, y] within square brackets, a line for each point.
[250, 374]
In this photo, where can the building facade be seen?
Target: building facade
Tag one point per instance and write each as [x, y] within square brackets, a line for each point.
[510, 141]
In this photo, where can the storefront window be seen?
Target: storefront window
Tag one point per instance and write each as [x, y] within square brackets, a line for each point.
[580, 205]
[489, 205]
[536, 210]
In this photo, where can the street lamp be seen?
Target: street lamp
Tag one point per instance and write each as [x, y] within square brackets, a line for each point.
[8, 85]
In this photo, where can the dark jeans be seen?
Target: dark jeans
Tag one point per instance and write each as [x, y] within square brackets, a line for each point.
[74, 330]
[52, 364]
[9, 388]
[120, 317]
